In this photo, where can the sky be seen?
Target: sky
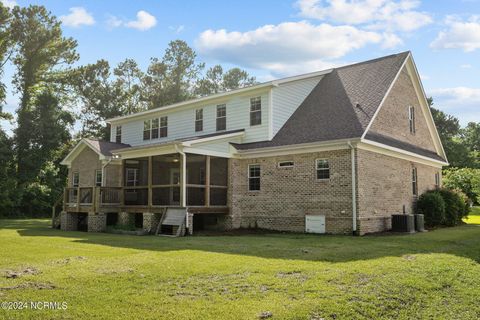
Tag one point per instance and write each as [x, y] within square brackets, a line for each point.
[277, 38]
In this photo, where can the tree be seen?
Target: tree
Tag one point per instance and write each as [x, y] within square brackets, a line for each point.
[465, 179]
[471, 136]
[41, 51]
[172, 78]
[216, 81]
[128, 82]
[5, 52]
[449, 130]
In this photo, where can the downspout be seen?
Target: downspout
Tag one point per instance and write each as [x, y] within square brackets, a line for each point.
[184, 182]
[354, 193]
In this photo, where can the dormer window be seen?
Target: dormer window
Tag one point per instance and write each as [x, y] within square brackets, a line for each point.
[411, 119]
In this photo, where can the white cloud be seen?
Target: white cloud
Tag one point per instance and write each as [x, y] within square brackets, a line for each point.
[463, 102]
[144, 21]
[459, 34]
[113, 21]
[466, 66]
[286, 48]
[9, 3]
[391, 40]
[390, 14]
[78, 16]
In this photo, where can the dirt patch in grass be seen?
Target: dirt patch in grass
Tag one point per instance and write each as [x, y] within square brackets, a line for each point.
[69, 259]
[30, 285]
[13, 274]
[293, 275]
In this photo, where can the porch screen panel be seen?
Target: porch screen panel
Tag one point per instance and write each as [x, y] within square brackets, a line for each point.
[166, 170]
[218, 181]
[196, 169]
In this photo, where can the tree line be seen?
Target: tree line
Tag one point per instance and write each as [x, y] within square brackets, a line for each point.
[54, 94]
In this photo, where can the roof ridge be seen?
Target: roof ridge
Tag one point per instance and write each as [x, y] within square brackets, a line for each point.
[373, 60]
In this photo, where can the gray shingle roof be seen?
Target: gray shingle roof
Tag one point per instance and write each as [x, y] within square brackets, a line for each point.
[330, 111]
[106, 147]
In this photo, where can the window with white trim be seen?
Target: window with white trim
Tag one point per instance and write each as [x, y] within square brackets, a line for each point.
[414, 181]
[286, 164]
[163, 127]
[118, 134]
[255, 111]
[323, 169]
[411, 119]
[437, 179]
[75, 179]
[198, 120]
[155, 125]
[147, 126]
[221, 117]
[98, 178]
[131, 177]
[254, 177]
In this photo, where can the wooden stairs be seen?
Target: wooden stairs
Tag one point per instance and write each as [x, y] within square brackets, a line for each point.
[172, 222]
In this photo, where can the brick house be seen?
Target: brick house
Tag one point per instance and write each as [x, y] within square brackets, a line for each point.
[335, 151]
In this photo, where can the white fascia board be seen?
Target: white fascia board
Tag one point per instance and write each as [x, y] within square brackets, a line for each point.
[296, 149]
[399, 153]
[385, 96]
[217, 96]
[207, 152]
[146, 152]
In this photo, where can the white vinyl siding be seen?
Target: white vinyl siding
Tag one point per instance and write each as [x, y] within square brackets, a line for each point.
[287, 98]
[180, 121]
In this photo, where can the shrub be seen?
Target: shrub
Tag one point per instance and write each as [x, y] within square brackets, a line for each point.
[465, 203]
[432, 206]
[453, 207]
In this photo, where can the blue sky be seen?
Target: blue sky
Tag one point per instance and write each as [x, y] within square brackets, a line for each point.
[277, 38]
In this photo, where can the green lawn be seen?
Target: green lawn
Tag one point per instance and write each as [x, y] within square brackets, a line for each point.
[434, 275]
[474, 216]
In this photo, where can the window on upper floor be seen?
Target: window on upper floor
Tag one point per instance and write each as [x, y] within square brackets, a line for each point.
[255, 111]
[414, 182]
[198, 120]
[75, 179]
[323, 169]
[118, 134]
[163, 127]
[437, 179]
[155, 126]
[221, 117]
[411, 119]
[147, 126]
[253, 177]
[98, 178]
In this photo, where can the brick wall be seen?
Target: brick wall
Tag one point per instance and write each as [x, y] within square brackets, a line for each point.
[384, 186]
[392, 119]
[288, 194]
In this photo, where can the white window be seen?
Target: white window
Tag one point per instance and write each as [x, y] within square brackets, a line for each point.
[131, 177]
[163, 127]
[98, 178]
[414, 182]
[198, 120]
[411, 119]
[255, 111]
[221, 117]
[437, 179]
[147, 126]
[118, 134]
[254, 177]
[155, 125]
[75, 179]
[323, 169]
[286, 164]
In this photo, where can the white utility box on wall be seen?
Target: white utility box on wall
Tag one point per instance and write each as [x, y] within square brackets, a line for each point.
[314, 224]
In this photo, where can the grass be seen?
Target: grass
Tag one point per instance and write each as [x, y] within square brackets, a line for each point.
[474, 216]
[434, 275]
